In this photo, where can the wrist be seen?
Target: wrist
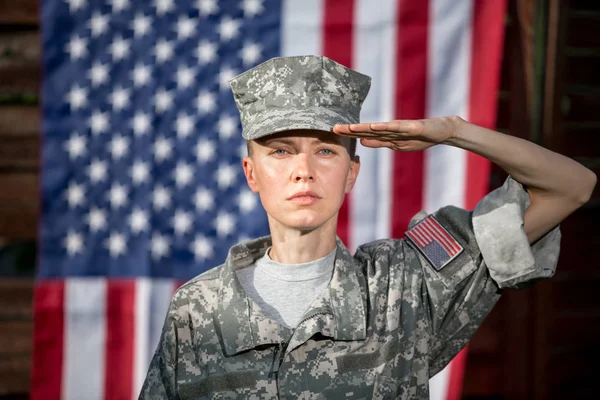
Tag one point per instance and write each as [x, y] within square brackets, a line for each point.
[457, 125]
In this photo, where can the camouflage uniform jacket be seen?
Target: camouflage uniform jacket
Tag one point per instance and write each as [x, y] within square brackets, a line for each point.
[387, 322]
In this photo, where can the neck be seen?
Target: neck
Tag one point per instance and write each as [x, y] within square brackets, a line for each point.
[291, 246]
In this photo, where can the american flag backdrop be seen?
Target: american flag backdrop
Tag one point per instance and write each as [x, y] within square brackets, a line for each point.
[142, 183]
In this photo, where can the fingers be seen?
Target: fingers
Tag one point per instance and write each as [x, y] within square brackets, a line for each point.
[379, 130]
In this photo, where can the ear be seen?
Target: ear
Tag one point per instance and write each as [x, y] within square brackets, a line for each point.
[352, 174]
[250, 173]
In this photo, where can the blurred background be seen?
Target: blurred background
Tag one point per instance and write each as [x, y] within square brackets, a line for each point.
[540, 343]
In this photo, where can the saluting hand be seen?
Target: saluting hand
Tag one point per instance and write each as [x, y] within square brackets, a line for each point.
[402, 135]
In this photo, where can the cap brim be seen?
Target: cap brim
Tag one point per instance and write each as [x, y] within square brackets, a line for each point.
[277, 120]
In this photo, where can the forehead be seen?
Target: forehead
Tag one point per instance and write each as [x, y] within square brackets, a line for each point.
[301, 135]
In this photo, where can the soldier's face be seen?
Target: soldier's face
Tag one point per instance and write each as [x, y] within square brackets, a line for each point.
[301, 177]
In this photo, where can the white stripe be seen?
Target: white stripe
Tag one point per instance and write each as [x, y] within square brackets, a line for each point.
[448, 94]
[85, 339]
[449, 60]
[301, 28]
[162, 292]
[140, 344]
[374, 55]
[438, 385]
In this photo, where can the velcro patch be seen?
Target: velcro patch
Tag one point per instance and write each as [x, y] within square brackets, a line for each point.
[436, 244]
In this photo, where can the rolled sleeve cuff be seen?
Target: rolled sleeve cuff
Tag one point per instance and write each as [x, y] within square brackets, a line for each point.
[498, 228]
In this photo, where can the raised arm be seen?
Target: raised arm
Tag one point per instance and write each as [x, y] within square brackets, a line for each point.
[557, 185]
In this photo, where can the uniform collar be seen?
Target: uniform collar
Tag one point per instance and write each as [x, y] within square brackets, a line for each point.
[241, 326]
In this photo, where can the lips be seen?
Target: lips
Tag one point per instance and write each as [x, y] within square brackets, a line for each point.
[304, 194]
[304, 198]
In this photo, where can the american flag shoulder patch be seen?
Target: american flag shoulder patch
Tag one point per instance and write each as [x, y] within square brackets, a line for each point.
[434, 242]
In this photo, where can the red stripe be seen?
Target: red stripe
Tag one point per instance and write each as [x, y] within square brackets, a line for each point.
[337, 45]
[120, 334]
[411, 88]
[48, 340]
[486, 60]
[444, 235]
[413, 234]
[437, 237]
[457, 371]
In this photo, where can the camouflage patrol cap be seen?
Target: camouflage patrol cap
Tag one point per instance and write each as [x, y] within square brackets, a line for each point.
[303, 92]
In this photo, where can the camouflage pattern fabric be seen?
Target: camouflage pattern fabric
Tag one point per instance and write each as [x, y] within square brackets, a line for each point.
[304, 92]
[387, 322]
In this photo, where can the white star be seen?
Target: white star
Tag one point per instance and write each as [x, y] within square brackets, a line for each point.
[247, 201]
[163, 6]
[140, 124]
[226, 175]
[96, 219]
[116, 244]
[98, 24]
[77, 97]
[119, 48]
[77, 47]
[159, 246]
[117, 195]
[251, 53]
[202, 247]
[73, 243]
[206, 52]
[227, 126]
[138, 220]
[205, 150]
[76, 146]
[252, 8]
[141, 75]
[119, 146]
[99, 122]
[119, 5]
[139, 172]
[98, 74]
[186, 27]
[163, 149]
[204, 199]
[183, 174]
[119, 98]
[163, 100]
[75, 195]
[163, 50]
[141, 25]
[229, 28]
[225, 75]
[184, 125]
[75, 5]
[207, 7]
[224, 224]
[185, 77]
[205, 102]
[97, 171]
[182, 222]
[161, 197]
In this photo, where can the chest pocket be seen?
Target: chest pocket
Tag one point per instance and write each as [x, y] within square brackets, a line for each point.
[225, 386]
[391, 388]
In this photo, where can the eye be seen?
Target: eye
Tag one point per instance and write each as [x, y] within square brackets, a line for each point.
[326, 152]
[279, 152]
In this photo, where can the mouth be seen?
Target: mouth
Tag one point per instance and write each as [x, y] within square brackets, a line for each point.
[304, 198]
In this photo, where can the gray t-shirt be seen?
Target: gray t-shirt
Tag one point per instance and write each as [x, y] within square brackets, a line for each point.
[285, 291]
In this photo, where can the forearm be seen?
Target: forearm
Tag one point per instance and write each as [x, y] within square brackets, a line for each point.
[544, 172]
[557, 185]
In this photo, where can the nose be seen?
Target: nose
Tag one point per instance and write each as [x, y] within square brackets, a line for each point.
[303, 169]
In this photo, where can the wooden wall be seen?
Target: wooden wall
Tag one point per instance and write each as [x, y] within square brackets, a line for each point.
[536, 344]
